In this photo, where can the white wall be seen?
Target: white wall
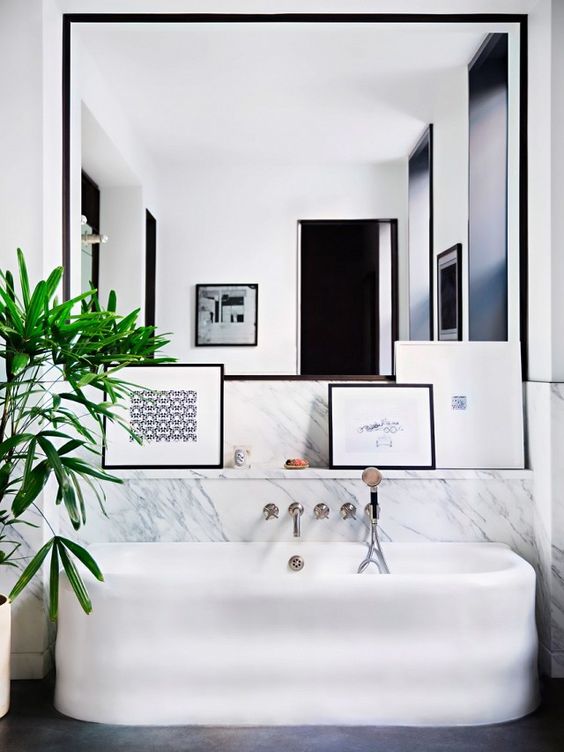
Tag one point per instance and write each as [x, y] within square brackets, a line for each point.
[104, 142]
[90, 87]
[22, 224]
[557, 161]
[122, 258]
[450, 176]
[21, 131]
[540, 157]
[231, 223]
[545, 398]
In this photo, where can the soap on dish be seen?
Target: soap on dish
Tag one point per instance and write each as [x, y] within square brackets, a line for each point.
[297, 463]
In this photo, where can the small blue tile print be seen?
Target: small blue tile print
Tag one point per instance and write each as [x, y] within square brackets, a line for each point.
[459, 402]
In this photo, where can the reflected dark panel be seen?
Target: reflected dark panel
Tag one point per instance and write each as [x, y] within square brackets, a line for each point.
[150, 267]
[340, 301]
[449, 282]
[487, 251]
[90, 208]
[420, 172]
[448, 297]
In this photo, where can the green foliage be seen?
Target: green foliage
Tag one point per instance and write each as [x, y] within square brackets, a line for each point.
[61, 367]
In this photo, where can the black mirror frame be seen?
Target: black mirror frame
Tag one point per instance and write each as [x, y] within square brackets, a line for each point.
[369, 18]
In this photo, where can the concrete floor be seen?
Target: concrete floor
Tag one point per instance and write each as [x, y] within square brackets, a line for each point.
[34, 726]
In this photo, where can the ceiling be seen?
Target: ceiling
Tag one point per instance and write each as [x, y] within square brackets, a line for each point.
[274, 91]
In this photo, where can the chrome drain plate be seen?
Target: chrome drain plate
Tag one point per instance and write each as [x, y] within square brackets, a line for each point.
[296, 563]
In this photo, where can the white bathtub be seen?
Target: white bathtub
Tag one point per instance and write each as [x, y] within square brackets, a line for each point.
[225, 633]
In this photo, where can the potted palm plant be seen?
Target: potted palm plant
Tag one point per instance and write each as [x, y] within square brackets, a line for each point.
[62, 363]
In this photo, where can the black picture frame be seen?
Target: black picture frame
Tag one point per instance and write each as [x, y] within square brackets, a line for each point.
[225, 286]
[174, 466]
[449, 294]
[426, 388]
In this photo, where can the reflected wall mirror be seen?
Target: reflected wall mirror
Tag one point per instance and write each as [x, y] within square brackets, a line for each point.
[328, 159]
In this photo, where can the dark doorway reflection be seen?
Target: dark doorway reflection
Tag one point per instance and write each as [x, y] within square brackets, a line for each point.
[348, 306]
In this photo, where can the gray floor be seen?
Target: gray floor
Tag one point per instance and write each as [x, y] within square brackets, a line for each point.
[33, 726]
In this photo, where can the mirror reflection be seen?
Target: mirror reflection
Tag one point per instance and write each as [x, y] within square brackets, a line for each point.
[278, 195]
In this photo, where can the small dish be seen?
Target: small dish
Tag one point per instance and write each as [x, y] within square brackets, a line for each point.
[296, 463]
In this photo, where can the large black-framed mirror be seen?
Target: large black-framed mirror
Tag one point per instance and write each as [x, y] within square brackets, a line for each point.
[328, 162]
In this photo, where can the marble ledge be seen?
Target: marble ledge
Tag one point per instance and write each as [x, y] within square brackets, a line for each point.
[320, 473]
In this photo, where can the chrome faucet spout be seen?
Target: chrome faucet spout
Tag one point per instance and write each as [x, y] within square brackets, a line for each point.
[296, 510]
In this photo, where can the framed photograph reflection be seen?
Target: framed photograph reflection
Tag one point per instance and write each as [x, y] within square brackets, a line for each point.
[226, 315]
[449, 291]
[386, 425]
[177, 412]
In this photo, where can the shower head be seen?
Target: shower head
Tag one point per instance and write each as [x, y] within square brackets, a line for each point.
[372, 477]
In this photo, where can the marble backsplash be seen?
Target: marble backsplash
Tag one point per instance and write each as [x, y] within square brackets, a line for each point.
[277, 419]
[210, 509]
[545, 420]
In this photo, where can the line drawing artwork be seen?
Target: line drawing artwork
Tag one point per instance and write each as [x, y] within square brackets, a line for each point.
[385, 425]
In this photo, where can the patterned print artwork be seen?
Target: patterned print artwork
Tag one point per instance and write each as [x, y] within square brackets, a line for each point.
[459, 402]
[165, 415]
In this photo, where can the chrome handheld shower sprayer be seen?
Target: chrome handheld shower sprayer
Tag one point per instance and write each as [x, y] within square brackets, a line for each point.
[373, 477]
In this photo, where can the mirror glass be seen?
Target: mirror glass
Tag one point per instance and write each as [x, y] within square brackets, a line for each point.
[301, 180]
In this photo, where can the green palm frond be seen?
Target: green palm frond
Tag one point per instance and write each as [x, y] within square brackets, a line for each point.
[62, 362]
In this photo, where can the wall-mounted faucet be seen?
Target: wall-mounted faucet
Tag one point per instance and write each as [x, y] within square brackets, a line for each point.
[270, 511]
[296, 510]
[348, 511]
[321, 511]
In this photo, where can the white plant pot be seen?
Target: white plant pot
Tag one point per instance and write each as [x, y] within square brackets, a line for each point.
[5, 623]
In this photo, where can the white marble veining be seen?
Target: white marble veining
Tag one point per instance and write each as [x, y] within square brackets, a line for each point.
[215, 510]
[545, 441]
[278, 419]
[557, 583]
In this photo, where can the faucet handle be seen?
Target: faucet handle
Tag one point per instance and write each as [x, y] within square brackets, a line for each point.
[270, 511]
[348, 511]
[321, 511]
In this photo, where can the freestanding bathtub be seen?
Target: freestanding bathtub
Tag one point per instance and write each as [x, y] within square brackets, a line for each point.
[227, 633]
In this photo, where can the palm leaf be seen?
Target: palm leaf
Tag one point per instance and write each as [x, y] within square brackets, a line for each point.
[35, 308]
[31, 488]
[83, 468]
[24, 279]
[75, 581]
[83, 556]
[31, 569]
[54, 583]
